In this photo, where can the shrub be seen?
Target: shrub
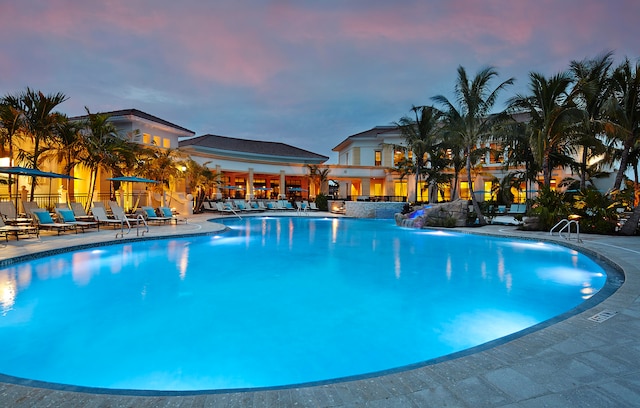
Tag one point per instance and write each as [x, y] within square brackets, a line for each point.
[322, 202]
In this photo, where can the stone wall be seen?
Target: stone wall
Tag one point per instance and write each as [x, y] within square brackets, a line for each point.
[372, 209]
[453, 214]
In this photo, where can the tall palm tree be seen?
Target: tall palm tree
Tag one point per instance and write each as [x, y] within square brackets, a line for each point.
[104, 149]
[623, 126]
[553, 118]
[518, 152]
[161, 164]
[421, 135]
[622, 110]
[471, 118]
[591, 90]
[67, 147]
[11, 122]
[40, 124]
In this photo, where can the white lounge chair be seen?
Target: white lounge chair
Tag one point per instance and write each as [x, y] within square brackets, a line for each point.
[151, 216]
[79, 213]
[101, 216]
[66, 215]
[17, 230]
[43, 220]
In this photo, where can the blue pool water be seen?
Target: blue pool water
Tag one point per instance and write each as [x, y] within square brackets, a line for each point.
[276, 301]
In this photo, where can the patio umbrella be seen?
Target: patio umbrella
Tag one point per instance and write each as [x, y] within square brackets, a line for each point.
[26, 171]
[132, 179]
[296, 189]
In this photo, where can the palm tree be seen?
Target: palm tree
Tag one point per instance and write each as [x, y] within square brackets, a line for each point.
[104, 149]
[471, 118]
[67, 147]
[161, 164]
[40, 124]
[553, 118]
[622, 110]
[319, 178]
[422, 138]
[623, 126]
[518, 152]
[591, 89]
[11, 122]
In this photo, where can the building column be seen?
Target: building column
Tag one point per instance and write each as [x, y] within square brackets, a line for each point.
[283, 187]
[218, 181]
[250, 193]
[365, 187]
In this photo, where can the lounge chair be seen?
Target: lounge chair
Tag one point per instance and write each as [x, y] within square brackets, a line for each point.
[79, 213]
[518, 209]
[66, 215]
[208, 206]
[10, 214]
[16, 230]
[30, 207]
[167, 212]
[119, 213]
[301, 207]
[313, 206]
[151, 216]
[101, 216]
[226, 208]
[44, 221]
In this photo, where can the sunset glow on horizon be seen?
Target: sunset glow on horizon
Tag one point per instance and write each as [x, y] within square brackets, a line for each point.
[305, 73]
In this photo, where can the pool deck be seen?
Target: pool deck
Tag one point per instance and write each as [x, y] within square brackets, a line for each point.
[576, 362]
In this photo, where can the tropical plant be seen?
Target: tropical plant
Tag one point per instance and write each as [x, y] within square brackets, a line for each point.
[39, 124]
[550, 207]
[597, 211]
[553, 119]
[161, 165]
[421, 135]
[319, 177]
[104, 149]
[622, 111]
[471, 118]
[591, 91]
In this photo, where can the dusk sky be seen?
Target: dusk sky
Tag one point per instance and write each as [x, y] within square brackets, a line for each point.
[306, 73]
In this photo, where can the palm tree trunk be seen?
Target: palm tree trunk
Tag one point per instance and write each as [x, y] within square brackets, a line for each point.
[454, 193]
[476, 206]
[630, 227]
[583, 170]
[624, 159]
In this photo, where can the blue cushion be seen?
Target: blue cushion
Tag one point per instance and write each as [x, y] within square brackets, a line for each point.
[166, 211]
[240, 206]
[149, 211]
[270, 206]
[67, 215]
[43, 216]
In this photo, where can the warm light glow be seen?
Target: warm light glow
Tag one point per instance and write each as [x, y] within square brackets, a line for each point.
[8, 288]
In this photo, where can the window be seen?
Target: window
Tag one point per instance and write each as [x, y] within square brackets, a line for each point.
[146, 138]
[166, 143]
[156, 141]
[378, 158]
[398, 155]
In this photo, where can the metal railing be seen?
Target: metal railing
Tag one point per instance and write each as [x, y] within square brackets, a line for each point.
[565, 226]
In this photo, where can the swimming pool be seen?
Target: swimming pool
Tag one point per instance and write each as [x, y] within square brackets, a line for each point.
[276, 301]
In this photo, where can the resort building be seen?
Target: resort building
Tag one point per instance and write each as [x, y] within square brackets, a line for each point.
[254, 169]
[367, 169]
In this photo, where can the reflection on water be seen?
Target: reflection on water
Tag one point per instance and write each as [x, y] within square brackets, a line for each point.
[277, 301]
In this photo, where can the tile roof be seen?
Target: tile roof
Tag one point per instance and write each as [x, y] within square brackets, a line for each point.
[140, 114]
[256, 147]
